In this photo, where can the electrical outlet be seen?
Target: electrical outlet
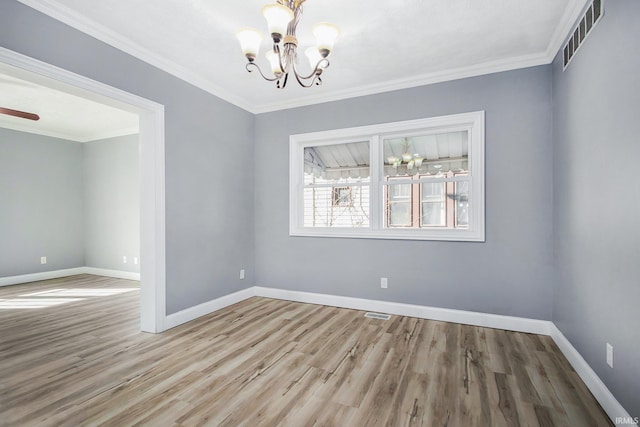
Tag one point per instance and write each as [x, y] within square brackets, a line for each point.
[610, 355]
[124, 259]
[135, 260]
[242, 274]
[43, 260]
[383, 282]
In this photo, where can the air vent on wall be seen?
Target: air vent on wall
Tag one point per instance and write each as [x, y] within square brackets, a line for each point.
[585, 25]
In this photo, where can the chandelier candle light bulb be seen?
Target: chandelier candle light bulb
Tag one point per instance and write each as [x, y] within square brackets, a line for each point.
[278, 18]
[274, 61]
[282, 19]
[326, 35]
[315, 59]
[250, 40]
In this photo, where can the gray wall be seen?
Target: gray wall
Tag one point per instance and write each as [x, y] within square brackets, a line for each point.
[597, 199]
[112, 203]
[511, 273]
[209, 205]
[40, 203]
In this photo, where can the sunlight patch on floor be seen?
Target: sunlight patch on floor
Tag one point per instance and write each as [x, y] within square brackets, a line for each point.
[53, 297]
[81, 292]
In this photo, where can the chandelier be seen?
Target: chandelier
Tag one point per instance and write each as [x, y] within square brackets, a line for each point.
[282, 20]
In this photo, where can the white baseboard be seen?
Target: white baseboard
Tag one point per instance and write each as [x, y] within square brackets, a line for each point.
[609, 403]
[189, 314]
[45, 275]
[510, 323]
[129, 275]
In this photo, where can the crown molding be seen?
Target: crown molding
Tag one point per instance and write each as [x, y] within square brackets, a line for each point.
[68, 136]
[96, 30]
[100, 32]
[406, 83]
[29, 129]
[111, 134]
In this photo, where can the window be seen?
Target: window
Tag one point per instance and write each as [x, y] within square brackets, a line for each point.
[342, 197]
[419, 179]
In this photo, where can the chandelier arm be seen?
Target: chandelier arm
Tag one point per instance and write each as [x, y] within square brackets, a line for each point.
[301, 80]
[270, 79]
[315, 70]
[276, 49]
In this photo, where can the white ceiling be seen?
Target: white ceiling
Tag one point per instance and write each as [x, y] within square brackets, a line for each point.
[62, 115]
[384, 44]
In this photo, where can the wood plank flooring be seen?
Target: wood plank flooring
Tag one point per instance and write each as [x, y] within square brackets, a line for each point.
[269, 362]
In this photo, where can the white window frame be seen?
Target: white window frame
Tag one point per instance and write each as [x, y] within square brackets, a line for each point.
[472, 122]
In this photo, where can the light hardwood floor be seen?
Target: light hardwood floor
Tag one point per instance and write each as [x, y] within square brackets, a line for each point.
[269, 362]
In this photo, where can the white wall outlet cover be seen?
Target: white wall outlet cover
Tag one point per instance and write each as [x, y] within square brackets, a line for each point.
[135, 260]
[43, 260]
[242, 274]
[124, 259]
[610, 355]
[383, 282]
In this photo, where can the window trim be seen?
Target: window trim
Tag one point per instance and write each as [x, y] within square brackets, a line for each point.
[473, 122]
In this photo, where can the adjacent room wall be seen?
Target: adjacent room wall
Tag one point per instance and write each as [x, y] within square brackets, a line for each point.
[597, 199]
[209, 200]
[510, 274]
[40, 203]
[112, 203]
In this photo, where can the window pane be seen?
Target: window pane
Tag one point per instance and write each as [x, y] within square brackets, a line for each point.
[400, 215]
[432, 154]
[432, 191]
[342, 196]
[337, 164]
[336, 206]
[398, 204]
[433, 214]
[400, 192]
[433, 204]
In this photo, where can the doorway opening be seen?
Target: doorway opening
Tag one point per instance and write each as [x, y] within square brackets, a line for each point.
[151, 164]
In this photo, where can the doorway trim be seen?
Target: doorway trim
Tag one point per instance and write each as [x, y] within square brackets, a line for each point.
[152, 171]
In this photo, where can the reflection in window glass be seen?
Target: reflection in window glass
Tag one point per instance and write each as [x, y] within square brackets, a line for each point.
[338, 163]
[398, 205]
[399, 192]
[336, 185]
[342, 196]
[427, 155]
[433, 214]
[400, 214]
[433, 204]
[424, 204]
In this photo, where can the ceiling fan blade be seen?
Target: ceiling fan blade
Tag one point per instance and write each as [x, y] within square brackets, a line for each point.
[21, 114]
